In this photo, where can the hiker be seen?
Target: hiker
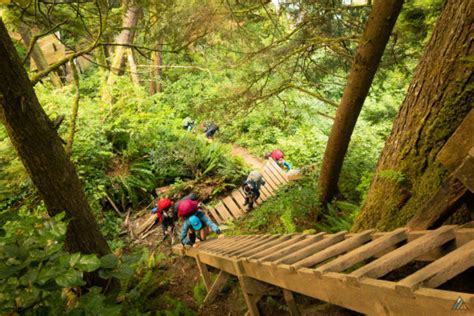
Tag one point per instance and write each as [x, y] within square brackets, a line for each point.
[188, 124]
[251, 188]
[196, 224]
[166, 217]
[211, 130]
[277, 155]
[191, 196]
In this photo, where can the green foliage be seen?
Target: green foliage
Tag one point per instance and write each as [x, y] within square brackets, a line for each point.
[393, 175]
[338, 217]
[199, 292]
[292, 209]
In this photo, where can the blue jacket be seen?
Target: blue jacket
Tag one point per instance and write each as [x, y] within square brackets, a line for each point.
[206, 221]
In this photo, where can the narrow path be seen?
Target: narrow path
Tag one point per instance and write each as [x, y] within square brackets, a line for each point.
[251, 160]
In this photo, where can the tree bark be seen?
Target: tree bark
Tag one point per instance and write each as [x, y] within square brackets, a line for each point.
[39, 147]
[369, 53]
[75, 110]
[155, 71]
[117, 66]
[439, 97]
[37, 55]
[133, 67]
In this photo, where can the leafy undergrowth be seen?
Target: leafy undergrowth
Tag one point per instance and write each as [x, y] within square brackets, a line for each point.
[295, 208]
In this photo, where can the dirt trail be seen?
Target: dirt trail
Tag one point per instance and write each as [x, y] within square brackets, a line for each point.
[253, 161]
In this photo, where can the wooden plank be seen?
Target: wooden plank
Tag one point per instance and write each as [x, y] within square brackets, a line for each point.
[459, 144]
[311, 249]
[241, 244]
[290, 302]
[365, 252]
[270, 179]
[266, 188]
[252, 245]
[465, 171]
[239, 199]
[215, 215]
[272, 250]
[264, 246]
[217, 287]
[223, 212]
[439, 271]
[277, 171]
[250, 299]
[233, 207]
[404, 254]
[271, 170]
[372, 297]
[224, 242]
[206, 277]
[234, 243]
[344, 246]
[284, 251]
[442, 204]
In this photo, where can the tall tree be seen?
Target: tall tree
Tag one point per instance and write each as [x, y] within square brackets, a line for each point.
[40, 149]
[439, 97]
[369, 53]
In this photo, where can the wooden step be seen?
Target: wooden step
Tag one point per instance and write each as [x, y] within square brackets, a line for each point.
[284, 251]
[337, 249]
[405, 254]
[272, 250]
[311, 249]
[439, 271]
[364, 252]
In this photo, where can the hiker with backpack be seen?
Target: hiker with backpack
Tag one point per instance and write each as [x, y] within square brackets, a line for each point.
[188, 123]
[191, 196]
[211, 130]
[278, 156]
[252, 187]
[166, 217]
[196, 224]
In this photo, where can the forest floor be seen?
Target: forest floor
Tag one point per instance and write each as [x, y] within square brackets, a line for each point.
[250, 159]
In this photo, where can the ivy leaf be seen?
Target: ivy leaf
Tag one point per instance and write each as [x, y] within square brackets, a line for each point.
[74, 259]
[70, 278]
[109, 261]
[123, 273]
[89, 263]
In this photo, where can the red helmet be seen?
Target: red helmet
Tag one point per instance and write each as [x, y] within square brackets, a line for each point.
[277, 154]
[187, 208]
[164, 204]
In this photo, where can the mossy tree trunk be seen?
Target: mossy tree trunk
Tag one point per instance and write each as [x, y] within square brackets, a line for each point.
[369, 53]
[439, 97]
[39, 148]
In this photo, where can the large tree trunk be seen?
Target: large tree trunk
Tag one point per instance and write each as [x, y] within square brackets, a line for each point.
[37, 55]
[155, 70]
[40, 149]
[125, 38]
[439, 97]
[129, 23]
[134, 75]
[372, 45]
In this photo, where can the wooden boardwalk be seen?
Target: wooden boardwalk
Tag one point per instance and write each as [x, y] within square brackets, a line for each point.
[346, 269]
[233, 207]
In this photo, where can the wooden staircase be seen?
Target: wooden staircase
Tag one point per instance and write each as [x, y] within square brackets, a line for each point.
[233, 207]
[346, 269]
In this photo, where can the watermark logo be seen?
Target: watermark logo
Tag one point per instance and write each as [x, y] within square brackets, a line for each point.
[459, 305]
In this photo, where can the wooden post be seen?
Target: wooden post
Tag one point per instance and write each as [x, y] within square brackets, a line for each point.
[250, 299]
[206, 276]
[216, 287]
[290, 302]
